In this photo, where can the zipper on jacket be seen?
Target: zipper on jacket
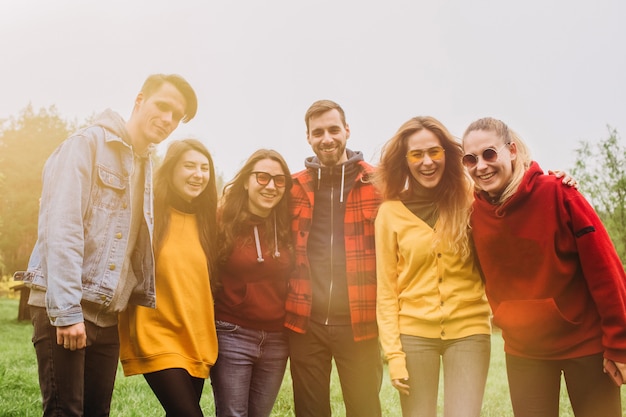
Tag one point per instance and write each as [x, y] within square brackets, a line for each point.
[332, 241]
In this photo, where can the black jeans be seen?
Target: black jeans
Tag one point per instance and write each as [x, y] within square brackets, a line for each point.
[80, 382]
[535, 385]
[359, 365]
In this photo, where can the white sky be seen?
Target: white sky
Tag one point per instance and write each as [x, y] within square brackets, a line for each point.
[554, 70]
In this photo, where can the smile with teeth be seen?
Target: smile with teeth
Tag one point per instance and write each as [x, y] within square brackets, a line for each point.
[428, 173]
[485, 177]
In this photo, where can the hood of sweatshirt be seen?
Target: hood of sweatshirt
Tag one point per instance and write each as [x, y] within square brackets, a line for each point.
[348, 169]
[114, 123]
[523, 192]
[313, 162]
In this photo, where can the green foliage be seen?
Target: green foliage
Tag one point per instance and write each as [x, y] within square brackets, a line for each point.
[25, 144]
[601, 172]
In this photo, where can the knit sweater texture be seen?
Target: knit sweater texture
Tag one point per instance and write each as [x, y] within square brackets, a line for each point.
[422, 291]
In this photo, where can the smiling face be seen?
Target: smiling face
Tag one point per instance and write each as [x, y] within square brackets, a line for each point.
[263, 198]
[427, 172]
[191, 175]
[327, 136]
[155, 116]
[494, 176]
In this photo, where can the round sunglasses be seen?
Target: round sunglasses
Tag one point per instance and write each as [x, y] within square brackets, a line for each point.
[470, 160]
[263, 178]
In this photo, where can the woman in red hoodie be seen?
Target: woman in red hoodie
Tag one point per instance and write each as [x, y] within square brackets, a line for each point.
[255, 256]
[552, 276]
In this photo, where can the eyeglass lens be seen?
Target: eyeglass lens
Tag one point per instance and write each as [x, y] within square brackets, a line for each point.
[416, 155]
[263, 178]
[489, 155]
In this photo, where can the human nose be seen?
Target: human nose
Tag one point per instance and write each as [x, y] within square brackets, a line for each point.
[480, 163]
[427, 160]
[327, 137]
[167, 116]
[271, 184]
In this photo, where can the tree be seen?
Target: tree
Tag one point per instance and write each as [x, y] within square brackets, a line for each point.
[601, 172]
[25, 144]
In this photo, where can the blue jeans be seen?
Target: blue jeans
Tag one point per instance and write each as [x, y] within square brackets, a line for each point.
[79, 382]
[535, 386]
[249, 370]
[359, 366]
[465, 368]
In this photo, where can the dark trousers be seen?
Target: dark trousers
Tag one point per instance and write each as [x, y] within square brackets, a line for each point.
[535, 385]
[178, 392]
[80, 382]
[359, 366]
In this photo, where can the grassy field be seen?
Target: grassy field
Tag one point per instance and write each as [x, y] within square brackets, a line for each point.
[19, 391]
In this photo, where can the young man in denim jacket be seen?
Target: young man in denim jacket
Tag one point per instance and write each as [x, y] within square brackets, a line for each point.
[94, 254]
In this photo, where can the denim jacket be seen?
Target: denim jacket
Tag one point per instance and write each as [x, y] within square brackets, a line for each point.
[84, 220]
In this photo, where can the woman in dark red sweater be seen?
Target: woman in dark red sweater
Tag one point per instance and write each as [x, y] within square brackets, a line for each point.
[554, 281]
[255, 256]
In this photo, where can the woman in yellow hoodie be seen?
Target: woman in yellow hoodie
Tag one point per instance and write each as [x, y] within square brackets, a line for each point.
[175, 345]
[431, 304]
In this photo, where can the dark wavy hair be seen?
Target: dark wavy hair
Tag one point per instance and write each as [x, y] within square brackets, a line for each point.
[206, 202]
[234, 214]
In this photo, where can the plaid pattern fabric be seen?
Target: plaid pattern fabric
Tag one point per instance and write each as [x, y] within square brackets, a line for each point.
[361, 206]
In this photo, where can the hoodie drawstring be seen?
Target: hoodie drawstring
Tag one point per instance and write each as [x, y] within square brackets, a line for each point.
[343, 177]
[257, 242]
[319, 178]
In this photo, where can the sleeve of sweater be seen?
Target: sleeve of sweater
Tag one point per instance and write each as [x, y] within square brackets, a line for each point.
[603, 271]
[387, 307]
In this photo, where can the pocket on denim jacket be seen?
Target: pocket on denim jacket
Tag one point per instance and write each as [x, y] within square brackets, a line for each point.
[111, 189]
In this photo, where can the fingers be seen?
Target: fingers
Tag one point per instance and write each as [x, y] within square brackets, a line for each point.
[72, 337]
[570, 181]
[401, 385]
[567, 179]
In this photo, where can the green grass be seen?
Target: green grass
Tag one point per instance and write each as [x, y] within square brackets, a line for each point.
[20, 397]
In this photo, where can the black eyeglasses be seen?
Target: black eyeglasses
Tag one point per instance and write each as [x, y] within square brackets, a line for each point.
[263, 178]
[489, 155]
[417, 155]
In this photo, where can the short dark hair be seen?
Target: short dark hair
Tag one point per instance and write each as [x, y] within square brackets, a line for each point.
[320, 107]
[155, 81]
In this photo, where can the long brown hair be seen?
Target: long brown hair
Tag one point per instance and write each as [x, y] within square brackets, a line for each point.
[395, 182]
[234, 212]
[206, 201]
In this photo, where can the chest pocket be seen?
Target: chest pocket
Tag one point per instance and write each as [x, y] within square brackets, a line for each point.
[110, 189]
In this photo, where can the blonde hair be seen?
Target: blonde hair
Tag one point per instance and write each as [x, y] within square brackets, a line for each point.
[520, 164]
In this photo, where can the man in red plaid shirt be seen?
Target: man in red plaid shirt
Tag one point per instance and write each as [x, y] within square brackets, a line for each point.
[331, 304]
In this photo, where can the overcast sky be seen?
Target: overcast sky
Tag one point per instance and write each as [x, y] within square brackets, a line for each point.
[554, 70]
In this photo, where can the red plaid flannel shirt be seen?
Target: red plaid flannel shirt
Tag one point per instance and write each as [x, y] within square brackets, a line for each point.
[361, 207]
